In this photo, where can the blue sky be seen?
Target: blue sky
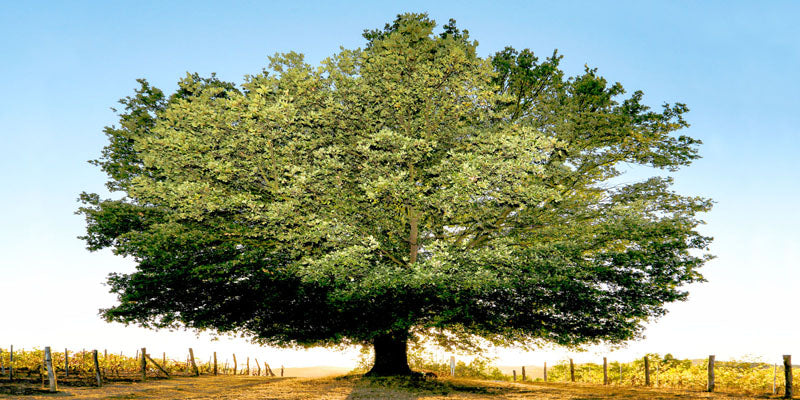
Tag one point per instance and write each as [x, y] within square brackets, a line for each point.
[63, 64]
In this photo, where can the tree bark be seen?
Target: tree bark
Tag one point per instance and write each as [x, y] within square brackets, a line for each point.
[390, 355]
[413, 238]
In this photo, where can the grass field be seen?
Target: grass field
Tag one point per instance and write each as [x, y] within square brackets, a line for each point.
[356, 387]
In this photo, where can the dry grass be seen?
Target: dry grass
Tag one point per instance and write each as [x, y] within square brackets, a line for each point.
[356, 387]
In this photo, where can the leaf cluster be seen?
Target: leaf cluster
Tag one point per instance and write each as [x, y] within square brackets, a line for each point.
[408, 186]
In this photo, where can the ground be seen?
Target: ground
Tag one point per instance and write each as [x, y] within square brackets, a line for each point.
[356, 387]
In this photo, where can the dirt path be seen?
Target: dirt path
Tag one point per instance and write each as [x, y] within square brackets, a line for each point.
[352, 388]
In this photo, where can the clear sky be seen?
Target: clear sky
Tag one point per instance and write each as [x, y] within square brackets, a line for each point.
[735, 64]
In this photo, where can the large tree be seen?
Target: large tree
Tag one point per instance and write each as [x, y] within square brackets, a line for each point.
[404, 190]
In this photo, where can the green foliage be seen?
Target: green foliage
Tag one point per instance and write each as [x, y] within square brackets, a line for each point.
[409, 186]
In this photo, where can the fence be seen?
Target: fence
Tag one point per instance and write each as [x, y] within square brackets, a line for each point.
[84, 368]
[92, 368]
[750, 377]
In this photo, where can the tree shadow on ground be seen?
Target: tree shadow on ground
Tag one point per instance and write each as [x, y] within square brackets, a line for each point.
[412, 388]
[580, 391]
[397, 388]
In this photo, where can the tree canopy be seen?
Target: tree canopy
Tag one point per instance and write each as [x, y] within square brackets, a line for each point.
[407, 189]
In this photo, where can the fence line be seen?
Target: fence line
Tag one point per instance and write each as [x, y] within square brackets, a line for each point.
[652, 370]
[87, 368]
[93, 368]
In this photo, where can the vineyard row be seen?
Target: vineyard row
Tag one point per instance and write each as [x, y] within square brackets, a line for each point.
[85, 368]
[751, 377]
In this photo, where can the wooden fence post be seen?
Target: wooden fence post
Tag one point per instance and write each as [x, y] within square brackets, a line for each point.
[42, 369]
[11, 364]
[248, 367]
[51, 374]
[571, 371]
[270, 371]
[259, 368]
[656, 376]
[160, 368]
[234, 364]
[646, 371]
[711, 373]
[96, 369]
[545, 371]
[774, 378]
[66, 363]
[194, 366]
[143, 363]
[787, 373]
[523, 373]
[515, 374]
[605, 371]
[215, 363]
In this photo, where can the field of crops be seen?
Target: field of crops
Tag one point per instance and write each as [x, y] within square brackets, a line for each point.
[28, 367]
[750, 377]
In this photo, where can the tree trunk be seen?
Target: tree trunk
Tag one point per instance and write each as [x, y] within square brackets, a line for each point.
[390, 355]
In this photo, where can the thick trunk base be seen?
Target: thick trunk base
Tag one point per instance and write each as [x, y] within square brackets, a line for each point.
[391, 357]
